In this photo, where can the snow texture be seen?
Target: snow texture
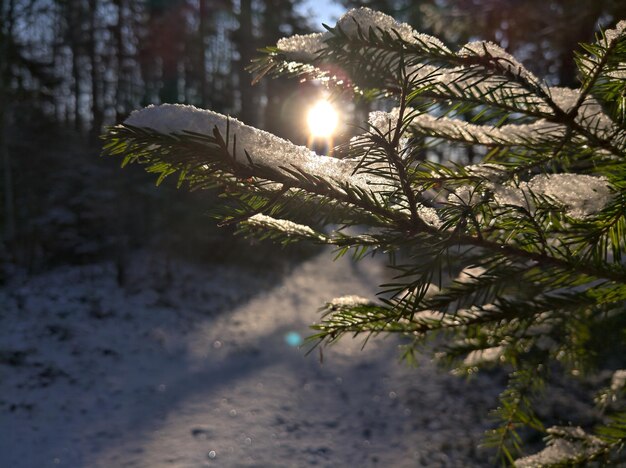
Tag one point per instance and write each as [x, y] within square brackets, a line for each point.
[284, 225]
[305, 47]
[263, 147]
[191, 369]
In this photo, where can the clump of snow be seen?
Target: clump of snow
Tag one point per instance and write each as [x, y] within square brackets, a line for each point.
[558, 451]
[464, 195]
[563, 97]
[429, 316]
[410, 294]
[582, 195]
[429, 216]
[284, 225]
[568, 444]
[305, 47]
[484, 356]
[302, 46]
[619, 31]
[506, 60]
[366, 18]
[263, 147]
[619, 74]
[590, 113]
[469, 274]
[513, 195]
[463, 82]
[509, 134]
[384, 121]
[488, 171]
[348, 301]
[618, 381]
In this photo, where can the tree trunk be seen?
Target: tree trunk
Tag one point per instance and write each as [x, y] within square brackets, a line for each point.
[74, 23]
[202, 44]
[118, 35]
[6, 34]
[246, 47]
[97, 114]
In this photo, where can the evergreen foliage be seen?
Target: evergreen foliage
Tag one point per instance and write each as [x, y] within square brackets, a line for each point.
[515, 262]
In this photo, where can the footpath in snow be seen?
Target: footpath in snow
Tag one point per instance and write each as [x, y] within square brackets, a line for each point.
[190, 367]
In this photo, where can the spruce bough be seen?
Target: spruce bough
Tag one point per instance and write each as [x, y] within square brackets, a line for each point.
[514, 262]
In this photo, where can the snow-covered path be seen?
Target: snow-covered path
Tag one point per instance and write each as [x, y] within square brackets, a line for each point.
[93, 376]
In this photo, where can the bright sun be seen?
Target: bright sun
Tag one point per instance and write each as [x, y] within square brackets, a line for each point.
[322, 119]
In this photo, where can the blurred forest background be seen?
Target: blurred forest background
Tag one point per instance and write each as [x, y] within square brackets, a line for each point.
[68, 68]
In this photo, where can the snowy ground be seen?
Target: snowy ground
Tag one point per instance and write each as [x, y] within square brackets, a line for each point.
[189, 367]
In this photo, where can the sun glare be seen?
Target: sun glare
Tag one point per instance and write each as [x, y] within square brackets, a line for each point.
[322, 119]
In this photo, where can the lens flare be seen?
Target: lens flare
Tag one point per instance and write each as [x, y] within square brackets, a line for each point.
[322, 119]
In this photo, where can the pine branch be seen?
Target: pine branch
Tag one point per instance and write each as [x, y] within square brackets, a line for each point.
[515, 261]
